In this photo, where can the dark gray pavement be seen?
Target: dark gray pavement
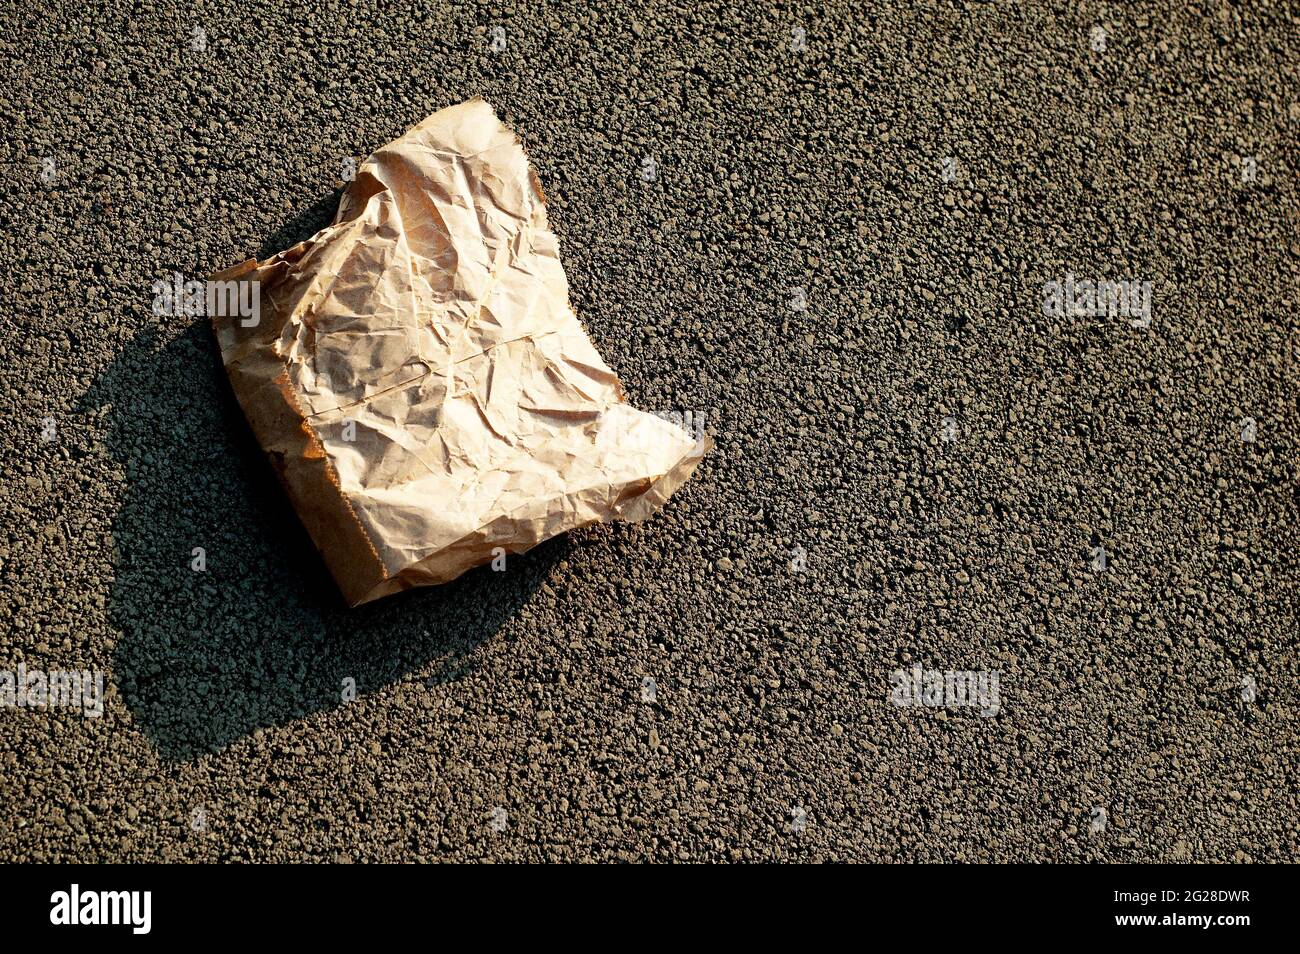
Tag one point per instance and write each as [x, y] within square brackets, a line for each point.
[917, 468]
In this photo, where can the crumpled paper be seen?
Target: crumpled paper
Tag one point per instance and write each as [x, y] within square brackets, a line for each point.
[421, 383]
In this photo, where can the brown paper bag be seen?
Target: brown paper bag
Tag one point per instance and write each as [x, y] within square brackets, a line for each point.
[419, 379]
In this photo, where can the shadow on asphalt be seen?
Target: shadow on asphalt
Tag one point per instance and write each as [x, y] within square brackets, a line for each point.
[302, 226]
[261, 637]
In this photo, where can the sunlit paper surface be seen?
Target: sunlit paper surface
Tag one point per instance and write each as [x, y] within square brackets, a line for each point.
[420, 381]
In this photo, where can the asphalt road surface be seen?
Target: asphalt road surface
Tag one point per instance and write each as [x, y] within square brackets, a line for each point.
[831, 234]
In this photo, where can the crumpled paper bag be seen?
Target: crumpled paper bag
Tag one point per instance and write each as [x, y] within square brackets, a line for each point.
[420, 381]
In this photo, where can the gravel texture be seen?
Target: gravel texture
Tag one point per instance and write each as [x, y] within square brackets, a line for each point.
[918, 468]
